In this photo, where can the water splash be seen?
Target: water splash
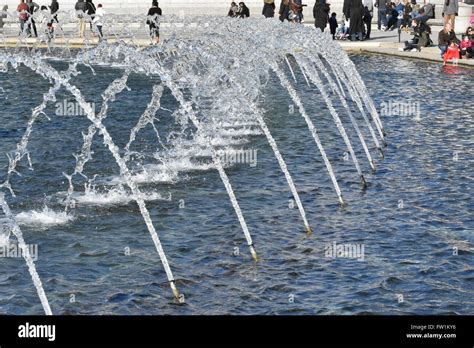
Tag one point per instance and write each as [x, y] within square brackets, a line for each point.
[117, 195]
[26, 254]
[217, 82]
[43, 218]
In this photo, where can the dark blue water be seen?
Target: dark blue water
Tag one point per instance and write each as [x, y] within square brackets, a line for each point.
[414, 219]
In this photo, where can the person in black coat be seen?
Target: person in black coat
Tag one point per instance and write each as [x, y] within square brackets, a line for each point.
[354, 10]
[90, 10]
[284, 10]
[333, 25]
[54, 8]
[152, 21]
[269, 9]
[321, 14]
[367, 17]
[243, 10]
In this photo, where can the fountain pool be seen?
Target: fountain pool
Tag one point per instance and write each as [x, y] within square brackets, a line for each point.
[182, 136]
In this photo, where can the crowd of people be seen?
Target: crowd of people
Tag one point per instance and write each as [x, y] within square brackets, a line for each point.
[357, 15]
[403, 15]
[453, 49]
[87, 13]
[30, 13]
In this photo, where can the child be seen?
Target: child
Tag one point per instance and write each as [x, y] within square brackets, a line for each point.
[98, 20]
[342, 31]
[451, 54]
[466, 49]
[333, 25]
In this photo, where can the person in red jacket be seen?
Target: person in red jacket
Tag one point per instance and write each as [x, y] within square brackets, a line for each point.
[451, 54]
[23, 14]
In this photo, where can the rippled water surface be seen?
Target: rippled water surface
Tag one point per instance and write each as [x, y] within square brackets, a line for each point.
[414, 220]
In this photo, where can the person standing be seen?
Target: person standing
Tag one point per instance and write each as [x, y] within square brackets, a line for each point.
[354, 10]
[268, 8]
[381, 13]
[333, 25]
[152, 21]
[450, 11]
[98, 21]
[284, 11]
[80, 11]
[90, 10]
[321, 14]
[23, 15]
[54, 8]
[32, 8]
[367, 18]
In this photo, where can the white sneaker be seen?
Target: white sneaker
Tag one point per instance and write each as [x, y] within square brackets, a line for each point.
[414, 50]
[383, 28]
[400, 49]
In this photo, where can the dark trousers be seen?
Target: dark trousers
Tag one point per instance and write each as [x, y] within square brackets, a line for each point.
[154, 31]
[368, 25]
[468, 52]
[99, 29]
[33, 24]
[411, 44]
